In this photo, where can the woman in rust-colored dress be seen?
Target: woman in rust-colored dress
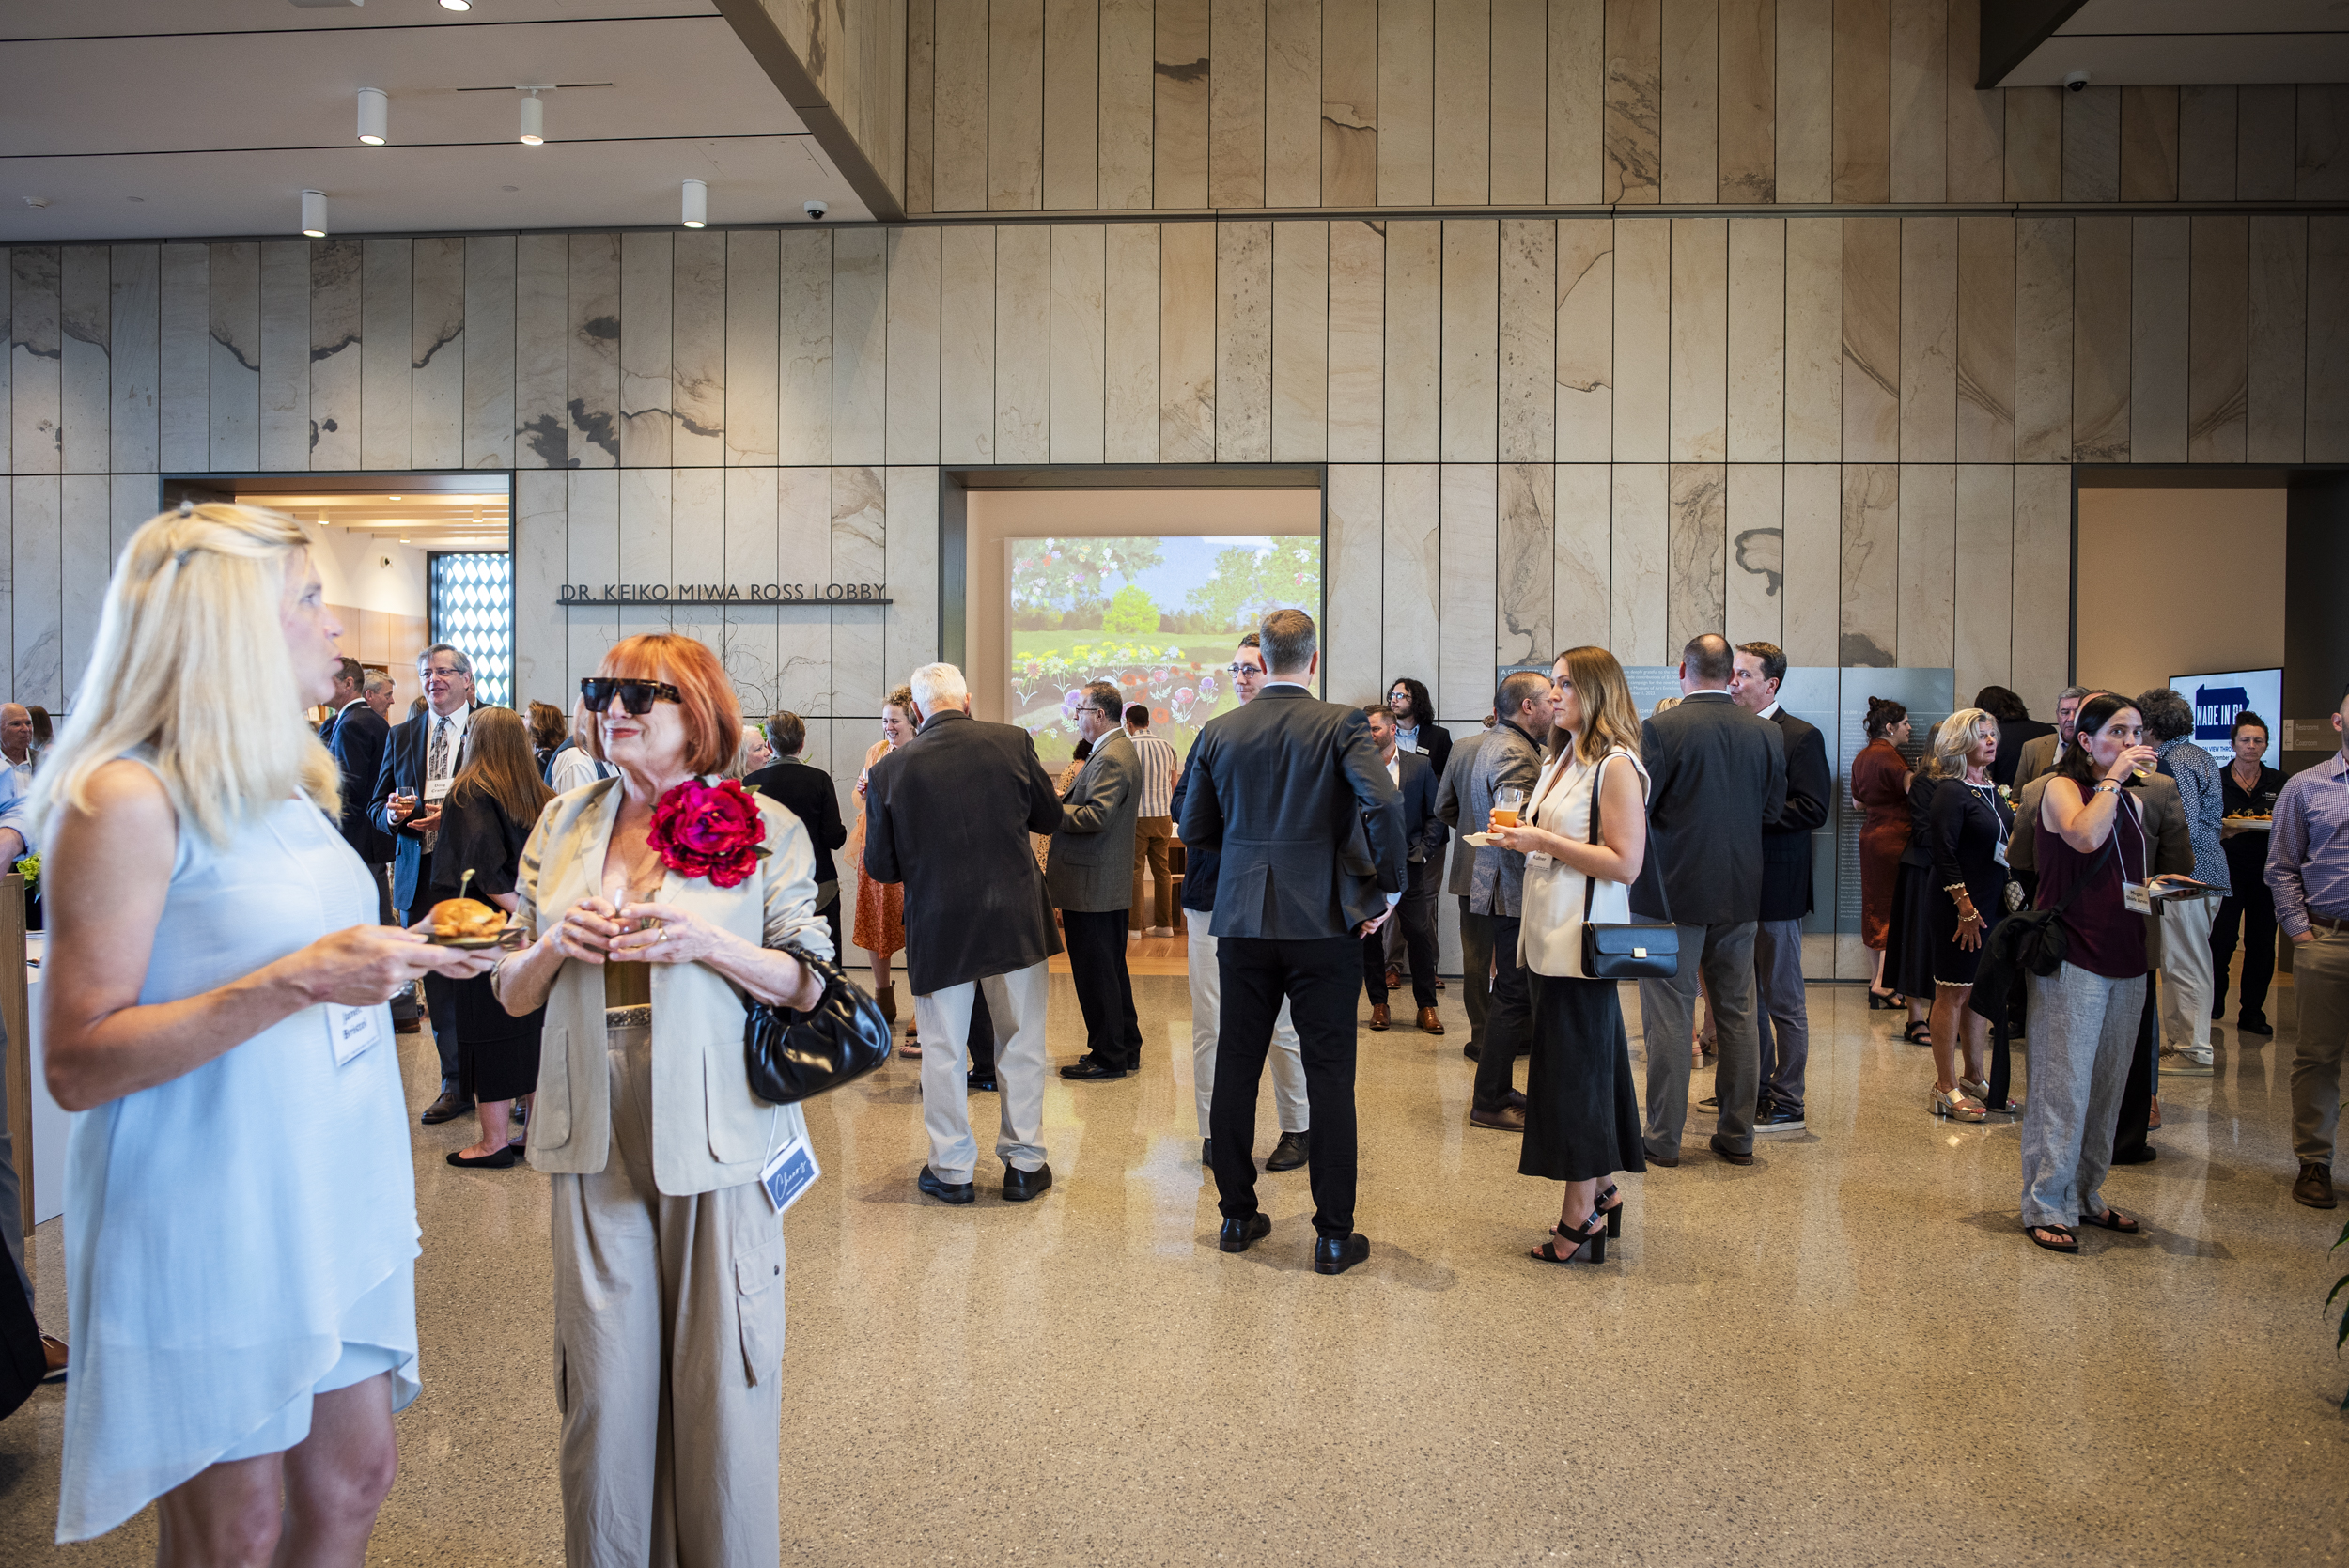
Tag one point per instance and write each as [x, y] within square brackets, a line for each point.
[1879, 786]
[881, 906]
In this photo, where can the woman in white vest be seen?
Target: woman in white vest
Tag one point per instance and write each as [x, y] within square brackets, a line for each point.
[1581, 1118]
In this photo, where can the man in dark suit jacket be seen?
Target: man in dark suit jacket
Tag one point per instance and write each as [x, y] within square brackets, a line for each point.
[1089, 872]
[1716, 774]
[948, 814]
[1783, 1033]
[1310, 829]
[1422, 838]
[807, 793]
[356, 735]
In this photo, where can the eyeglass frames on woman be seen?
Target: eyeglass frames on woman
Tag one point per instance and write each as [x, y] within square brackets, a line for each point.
[636, 696]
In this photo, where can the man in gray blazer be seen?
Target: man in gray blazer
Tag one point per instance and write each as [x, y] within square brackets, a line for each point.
[1460, 879]
[1509, 756]
[1716, 774]
[1089, 872]
[1310, 827]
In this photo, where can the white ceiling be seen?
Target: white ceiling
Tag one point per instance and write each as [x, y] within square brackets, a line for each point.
[177, 118]
[2135, 42]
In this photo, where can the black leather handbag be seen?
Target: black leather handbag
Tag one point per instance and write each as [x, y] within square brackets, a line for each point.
[1630, 951]
[794, 1056]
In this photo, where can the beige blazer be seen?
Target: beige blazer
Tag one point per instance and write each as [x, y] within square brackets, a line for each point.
[2038, 758]
[708, 1130]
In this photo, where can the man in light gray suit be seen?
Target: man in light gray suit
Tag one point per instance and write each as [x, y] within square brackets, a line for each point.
[1089, 874]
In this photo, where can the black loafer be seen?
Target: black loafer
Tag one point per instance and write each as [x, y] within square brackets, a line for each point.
[2253, 1023]
[981, 1083]
[1020, 1186]
[1473, 1051]
[1729, 1154]
[504, 1159]
[1294, 1150]
[1336, 1254]
[1087, 1068]
[1239, 1234]
[945, 1192]
[450, 1105]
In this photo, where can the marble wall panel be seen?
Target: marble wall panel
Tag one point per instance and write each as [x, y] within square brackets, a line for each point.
[490, 363]
[1872, 339]
[1749, 100]
[1864, 124]
[541, 351]
[1519, 77]
[1700, 340]
[2328, 439]
[2042, 339]
[7, 354]
[1186, 343]
[285, 354]
[1463, 80]
[1410, 510]
[1414, 378]
[1697, 597]
[541, 567]
[1925, 560]
[132, 322]
[1812, 564]
[1528, 361]
[1235, 104]
[1407, 101]
[85, 306]
[1639, 545]
[1689, 77]
[860, 343]
[697, 368]
[1632, 170]
[1757, 339]
[913, 258]
[185, 356]
[1986, 339]
[2100, 340]
[648, 544]
[959, 117]
[1301, 342]
[84, 561]
[2149, 144]
[2034, 144]
[1642, 367]
[921, 112]
[803, 662]
[1918, 100]
[910, 559]
[754, 335]
[1523, 572]
[135, 499]
[1292, 96]
[1243, 342]
[1014, 105]
[1814, 339]
[1358, 340]
[37, 591]
[591, 511]
[1468, 588]
[1179, 134]
[2320, 142]
[966, 354]
[1582, 559]
[1928, 338]
[1023, 344]
[2092, 143]
[1805, 116]
[235, 389]
[1072, 103]
[2043, 579]
[2278, 328]
[804, 357]
[1576, 87]
[7, 566]
[2158, 299]
[436, 361]
[1350, 102]
[37, 415]
[1754, 553]
[2207, 150]
[1871, 548]
[1982, 576]
[1129, 419]
[1977, 119]
[1585, 332]
[2218, 339]
[592, 372]
[1129, 78]
[1354, 604]
[1079, 258]
[2265, 121]
[1470, 344]
[697, 547]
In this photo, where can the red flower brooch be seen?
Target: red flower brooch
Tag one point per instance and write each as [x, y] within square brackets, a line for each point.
[710, 831]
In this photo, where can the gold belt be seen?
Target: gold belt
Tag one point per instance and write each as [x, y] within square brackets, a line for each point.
[628, 1018]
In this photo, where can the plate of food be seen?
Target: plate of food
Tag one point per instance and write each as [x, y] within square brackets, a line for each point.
[468, 922]
[2249, 823]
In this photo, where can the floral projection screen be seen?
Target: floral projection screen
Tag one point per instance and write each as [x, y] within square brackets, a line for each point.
[1158, 616]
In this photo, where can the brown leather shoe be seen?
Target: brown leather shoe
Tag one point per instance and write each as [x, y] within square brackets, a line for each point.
[1379, 1017]
[1428, 1022]
[1509, 1118]
[1395, 978]
[2314, 1188]
[450, 1105]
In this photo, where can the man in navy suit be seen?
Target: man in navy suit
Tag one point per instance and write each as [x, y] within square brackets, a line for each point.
[1424, 835]
[1783, 1030]
[356, 734]
[351, 680]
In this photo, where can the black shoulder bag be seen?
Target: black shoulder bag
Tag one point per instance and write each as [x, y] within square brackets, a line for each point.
[2027, 939]
[1633, 951]
[794, 1056]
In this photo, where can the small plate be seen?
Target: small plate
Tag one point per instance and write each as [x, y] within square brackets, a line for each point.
[472, 944]
[1476, 841]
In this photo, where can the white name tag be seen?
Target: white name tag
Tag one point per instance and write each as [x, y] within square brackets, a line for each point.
[2001, 855]
[2139, 900]
[351, 1031]
[435, 788]
[790, 1171]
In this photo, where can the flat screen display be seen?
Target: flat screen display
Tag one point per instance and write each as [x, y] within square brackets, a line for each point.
[2218, 697]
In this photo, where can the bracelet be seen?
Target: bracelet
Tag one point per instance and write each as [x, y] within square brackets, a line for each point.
[2102, 785]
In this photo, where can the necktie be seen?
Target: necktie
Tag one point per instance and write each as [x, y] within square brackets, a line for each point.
[436, 764]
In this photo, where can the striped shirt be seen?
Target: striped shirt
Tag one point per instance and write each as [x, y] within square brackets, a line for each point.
[1158, 776]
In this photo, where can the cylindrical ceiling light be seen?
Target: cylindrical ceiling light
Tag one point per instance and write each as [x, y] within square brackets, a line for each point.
[314, 214]
[456, 5]
[533, 118]
[696, 204]
[375, 117]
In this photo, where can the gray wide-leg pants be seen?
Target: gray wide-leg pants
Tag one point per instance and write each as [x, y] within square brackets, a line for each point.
[2083, 1032]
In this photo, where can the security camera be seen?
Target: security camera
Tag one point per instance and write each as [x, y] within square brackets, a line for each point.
[814, 210]
[2076, 82]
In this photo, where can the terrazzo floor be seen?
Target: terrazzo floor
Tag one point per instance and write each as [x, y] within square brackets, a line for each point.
[1847, 1353]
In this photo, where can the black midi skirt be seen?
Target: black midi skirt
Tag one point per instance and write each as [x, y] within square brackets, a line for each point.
[1909, 943]
[497, 1054]
[1581, 1118]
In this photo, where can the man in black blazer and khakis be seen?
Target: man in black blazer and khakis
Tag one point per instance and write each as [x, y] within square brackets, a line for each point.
[1089, 872]
[1716, 774]
[1310, 827]
[948, 814]
[1423, 835]
[807, 793]
[1783, 1029]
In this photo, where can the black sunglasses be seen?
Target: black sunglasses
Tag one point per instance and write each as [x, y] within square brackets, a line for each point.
[637, 696]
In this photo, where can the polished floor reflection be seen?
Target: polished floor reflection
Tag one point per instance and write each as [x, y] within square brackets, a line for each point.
[1846, 1353]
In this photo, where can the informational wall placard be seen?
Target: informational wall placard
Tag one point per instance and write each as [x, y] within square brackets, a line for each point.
[2217, 698]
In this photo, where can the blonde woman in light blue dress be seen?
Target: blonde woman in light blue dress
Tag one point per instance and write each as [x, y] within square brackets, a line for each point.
[243, 1303]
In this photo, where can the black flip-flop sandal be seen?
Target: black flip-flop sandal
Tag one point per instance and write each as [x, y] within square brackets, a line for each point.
[2069, 1244]
[1911, 1035]
[2111, 1220]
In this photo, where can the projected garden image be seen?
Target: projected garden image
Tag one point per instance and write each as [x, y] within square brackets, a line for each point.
[1158, 617]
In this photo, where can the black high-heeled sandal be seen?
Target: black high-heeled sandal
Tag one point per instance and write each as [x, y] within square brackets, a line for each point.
[1612, 1211]
[1882, 1001]
[1591, 1238]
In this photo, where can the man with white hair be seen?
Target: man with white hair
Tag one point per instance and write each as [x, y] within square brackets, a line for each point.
[16, 783]
[948, 815]
[377, 692]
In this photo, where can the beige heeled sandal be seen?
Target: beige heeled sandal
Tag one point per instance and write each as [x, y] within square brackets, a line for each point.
[1981, 1091]
[1959, 1107]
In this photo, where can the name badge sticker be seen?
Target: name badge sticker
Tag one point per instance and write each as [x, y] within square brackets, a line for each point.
[788, 1172]
[434, 789]
[351, 1031]
[2139, 900]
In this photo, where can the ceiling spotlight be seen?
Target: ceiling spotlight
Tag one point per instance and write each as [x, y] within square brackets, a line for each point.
[314, 214]
[375, 117]
[392, 498]
[534, 118]
[696, 204]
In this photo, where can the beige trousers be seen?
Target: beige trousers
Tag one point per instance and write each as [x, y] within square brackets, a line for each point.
[668, 1344]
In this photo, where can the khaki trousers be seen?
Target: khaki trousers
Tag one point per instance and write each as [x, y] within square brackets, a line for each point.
[2320, 981]
[668, 1344]
[1154, 836]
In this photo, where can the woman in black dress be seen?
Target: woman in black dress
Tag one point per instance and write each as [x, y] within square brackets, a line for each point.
[1969, 827]
[492, 805]
[2249, 787]
[1908, 937]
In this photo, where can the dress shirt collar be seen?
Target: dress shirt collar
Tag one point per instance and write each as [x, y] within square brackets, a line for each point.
[1271, 686]
[355, 701]
[1769, 712]
[1705, 691]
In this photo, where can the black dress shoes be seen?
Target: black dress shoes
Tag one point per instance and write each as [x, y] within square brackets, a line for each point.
[450, 1105]
[1473, 1051]
[945, 1192]
[1206, 1151]
[2252, 1023]
[1086, 1068]
[1239, 1234]
[1020, 1186]
[1729, 1154]
[1336, 1254]
[981, 1083]
[407, 1026]
[1293, 1150]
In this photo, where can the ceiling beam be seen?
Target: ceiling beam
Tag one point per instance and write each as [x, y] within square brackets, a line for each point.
[2011, 29]
[755, 24]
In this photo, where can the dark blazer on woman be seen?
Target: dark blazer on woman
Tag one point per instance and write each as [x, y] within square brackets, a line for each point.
[1716, 774]
[806, 792]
